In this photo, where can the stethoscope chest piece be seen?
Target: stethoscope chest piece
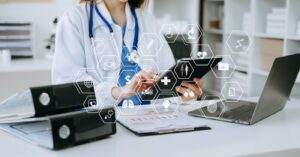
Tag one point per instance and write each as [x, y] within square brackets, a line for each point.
[134, 57]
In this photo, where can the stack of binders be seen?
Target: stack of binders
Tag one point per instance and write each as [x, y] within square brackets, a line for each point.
[247, 22]
[276, 21]
[57, 116]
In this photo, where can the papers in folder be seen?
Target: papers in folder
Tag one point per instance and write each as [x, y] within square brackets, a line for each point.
[148, 122]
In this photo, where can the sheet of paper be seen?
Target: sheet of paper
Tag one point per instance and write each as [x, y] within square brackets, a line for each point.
[17, 106]
[38, 133]
[149, 120]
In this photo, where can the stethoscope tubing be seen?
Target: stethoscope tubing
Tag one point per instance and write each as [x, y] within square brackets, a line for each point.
[115, 46]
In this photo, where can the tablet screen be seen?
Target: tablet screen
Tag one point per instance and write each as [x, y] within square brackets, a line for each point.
[183, 71]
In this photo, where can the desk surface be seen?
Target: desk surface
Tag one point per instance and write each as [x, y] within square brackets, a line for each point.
[275, 136]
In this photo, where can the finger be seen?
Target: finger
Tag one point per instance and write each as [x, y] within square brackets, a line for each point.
[199, 82]
[144, 87]
[145, 76]
[157, 77]
[153, 73]
[145, 83]
[187, 94]
[191, 86]
[181, 89]
[153, 76]
[194, 87]
[140, 78]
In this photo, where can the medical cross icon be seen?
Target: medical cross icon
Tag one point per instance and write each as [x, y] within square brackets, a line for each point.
[166, 80]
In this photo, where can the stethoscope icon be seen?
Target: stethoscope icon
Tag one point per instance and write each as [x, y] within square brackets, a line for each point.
[109, 115]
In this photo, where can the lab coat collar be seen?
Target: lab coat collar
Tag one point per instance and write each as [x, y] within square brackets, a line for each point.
[104, 11]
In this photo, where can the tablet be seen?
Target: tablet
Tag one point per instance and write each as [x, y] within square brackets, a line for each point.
[183, 71]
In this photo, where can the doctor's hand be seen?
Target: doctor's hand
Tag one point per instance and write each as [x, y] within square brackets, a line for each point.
[190, 91]
[139, 83]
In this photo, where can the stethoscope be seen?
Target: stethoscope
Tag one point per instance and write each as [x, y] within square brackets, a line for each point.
[134, 56]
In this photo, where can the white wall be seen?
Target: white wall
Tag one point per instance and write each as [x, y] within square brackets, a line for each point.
[187, 10]
[42, 15]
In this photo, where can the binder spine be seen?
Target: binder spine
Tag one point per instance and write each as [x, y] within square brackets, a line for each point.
[56, 99]
[74, 130]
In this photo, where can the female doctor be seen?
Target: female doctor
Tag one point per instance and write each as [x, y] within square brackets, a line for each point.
[101, 40]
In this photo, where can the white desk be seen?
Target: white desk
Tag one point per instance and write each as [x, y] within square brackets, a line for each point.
[276, 136]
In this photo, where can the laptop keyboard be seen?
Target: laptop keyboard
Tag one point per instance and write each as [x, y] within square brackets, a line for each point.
[242, 113]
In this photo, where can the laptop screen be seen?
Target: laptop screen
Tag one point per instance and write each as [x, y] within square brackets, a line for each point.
[278, 87]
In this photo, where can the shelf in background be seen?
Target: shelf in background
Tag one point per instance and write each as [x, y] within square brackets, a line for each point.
[251, 16]
[237, 33]
[214, 31]
[215, 1]
[11, 37]
[18, 37]
[16, 28]
[266, 35]
[290, 37]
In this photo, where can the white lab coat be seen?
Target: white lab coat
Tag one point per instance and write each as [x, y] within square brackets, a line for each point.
[74, 59]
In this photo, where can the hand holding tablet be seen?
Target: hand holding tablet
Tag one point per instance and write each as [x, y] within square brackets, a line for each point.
[185, 70]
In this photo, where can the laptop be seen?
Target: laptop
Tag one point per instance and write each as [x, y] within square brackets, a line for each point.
[273, 99]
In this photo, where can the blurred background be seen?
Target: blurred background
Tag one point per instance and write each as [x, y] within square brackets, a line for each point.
[250, 34]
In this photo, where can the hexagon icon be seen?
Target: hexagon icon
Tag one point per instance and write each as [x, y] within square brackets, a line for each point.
[108, 115]
[84, 82]
[151, 43]
[232, 91]
[239, 42]
[126, 106]
[188, 95]
[166, 103]
[167, 82]
[99, 45]
[184, 70]
[132, 58]
[212, 108]
[225, 68]
[149, 94]
[202, 52]
[109, 62]
[170, 31]
[193, 33]
[91, 104]
[126, 76]
[148, 64]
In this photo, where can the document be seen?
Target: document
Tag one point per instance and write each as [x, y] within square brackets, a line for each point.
[148, 121]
